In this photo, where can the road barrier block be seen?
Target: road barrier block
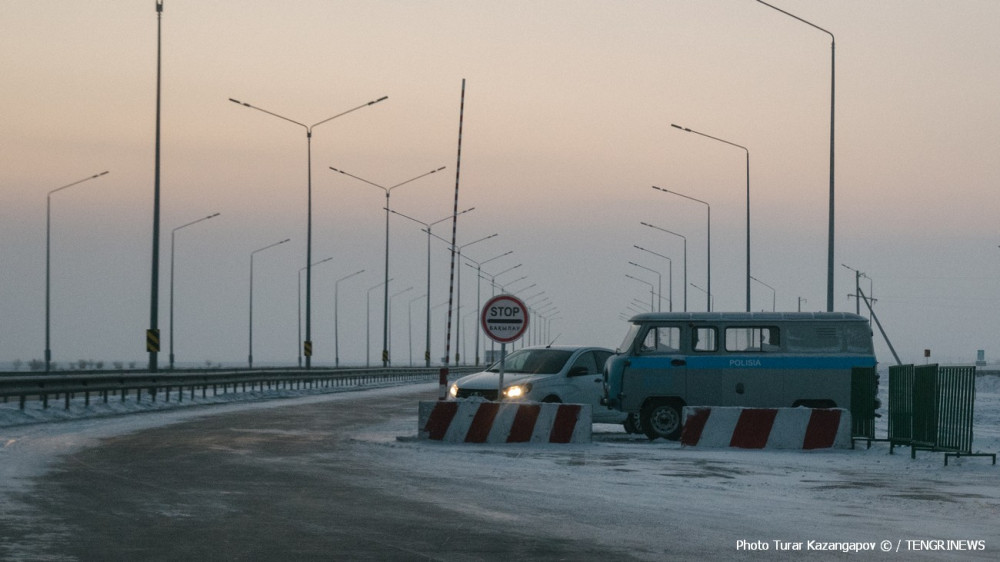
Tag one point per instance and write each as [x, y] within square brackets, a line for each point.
[468, 421]
[767, 428]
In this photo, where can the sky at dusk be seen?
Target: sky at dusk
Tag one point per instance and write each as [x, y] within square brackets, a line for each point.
[567, 126]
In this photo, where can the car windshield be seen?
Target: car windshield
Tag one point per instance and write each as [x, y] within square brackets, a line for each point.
[534, 361]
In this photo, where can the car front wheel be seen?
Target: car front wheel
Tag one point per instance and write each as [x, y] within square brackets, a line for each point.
[661, 419]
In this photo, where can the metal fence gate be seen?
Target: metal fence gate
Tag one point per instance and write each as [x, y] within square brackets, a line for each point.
[931, 409]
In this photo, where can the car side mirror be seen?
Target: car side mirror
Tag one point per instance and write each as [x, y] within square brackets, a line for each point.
[578, 371]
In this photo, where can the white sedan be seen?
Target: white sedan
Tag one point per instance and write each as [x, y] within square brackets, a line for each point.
[566, 374]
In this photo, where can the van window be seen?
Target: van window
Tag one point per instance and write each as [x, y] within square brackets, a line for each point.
[705, 339]
[815, 339]
[661, 339]
[752, 339]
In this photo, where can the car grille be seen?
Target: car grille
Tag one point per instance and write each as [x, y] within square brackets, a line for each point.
[469, 393]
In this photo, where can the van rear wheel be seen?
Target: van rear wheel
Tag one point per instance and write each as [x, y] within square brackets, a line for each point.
[661, 419]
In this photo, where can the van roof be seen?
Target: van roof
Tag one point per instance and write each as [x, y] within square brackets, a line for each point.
[746, 316]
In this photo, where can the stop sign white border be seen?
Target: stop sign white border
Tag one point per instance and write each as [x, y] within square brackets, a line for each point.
[514, 301]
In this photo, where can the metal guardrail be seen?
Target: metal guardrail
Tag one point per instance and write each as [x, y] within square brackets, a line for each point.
[108, 384]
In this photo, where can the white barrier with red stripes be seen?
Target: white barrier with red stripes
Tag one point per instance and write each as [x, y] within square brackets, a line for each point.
[468, 421]
[767, 428]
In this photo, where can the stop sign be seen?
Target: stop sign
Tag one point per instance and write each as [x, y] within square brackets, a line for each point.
[504, 318]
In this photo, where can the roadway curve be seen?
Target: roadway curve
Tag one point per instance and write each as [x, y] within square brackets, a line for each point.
[277, 483]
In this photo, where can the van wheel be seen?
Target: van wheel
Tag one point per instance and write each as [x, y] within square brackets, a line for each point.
[661, 419]
[632, 424]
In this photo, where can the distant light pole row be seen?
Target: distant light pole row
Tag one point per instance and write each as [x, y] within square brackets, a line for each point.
[309, 130]
[427, 229]
[831, 222]
[385, 311]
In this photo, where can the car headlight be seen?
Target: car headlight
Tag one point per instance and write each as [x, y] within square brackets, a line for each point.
[453, 391]
[517, 391]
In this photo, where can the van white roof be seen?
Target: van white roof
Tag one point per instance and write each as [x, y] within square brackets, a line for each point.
[745, 317]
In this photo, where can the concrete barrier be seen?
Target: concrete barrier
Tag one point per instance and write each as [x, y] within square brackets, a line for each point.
[467, 421]
[766, 428]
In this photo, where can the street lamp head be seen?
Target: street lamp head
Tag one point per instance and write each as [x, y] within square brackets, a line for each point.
[240, 102]
[679, 127]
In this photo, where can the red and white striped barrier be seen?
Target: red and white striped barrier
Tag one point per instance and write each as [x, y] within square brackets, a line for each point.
[767, 428]
[465, 421]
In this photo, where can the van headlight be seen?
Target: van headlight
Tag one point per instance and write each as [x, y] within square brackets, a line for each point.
[517, 391]
[453, 391]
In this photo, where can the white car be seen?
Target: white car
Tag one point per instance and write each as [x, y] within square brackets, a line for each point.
[566, 374]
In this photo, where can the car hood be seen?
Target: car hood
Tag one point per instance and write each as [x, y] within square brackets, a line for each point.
[487, 380]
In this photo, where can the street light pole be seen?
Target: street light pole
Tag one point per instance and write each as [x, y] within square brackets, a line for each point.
[833, 65]
[410, 288]
[774, 294]
[153, 334]
[299, 338]
[250, 355]
[409, 324]
[309, 130]
[685, 258]
[368, 321]
[336, 307]
[173, 233]
[747, 150]
[708, 298]
[48, 251]
[385, 311]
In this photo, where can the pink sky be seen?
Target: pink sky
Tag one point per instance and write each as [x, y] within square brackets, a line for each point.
[567, 125]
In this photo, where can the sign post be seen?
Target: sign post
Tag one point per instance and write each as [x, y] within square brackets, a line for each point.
[504, 319]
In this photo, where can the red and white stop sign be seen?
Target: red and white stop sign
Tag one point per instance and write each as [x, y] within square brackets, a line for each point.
[504, 318]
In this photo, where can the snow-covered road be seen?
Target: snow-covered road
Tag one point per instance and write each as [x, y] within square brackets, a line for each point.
[644, 500]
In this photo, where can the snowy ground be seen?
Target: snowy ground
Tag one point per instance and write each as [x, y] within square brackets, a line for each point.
[628, 491]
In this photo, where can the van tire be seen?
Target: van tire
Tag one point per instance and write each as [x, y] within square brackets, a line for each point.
[661, 418]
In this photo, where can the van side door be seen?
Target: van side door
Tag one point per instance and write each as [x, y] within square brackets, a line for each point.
[745, 372]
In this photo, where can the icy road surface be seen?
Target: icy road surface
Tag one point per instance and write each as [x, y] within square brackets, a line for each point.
[341, 476]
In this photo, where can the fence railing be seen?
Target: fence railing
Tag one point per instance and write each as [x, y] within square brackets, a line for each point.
[864, 391]
[931, 409]
[105, 386]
